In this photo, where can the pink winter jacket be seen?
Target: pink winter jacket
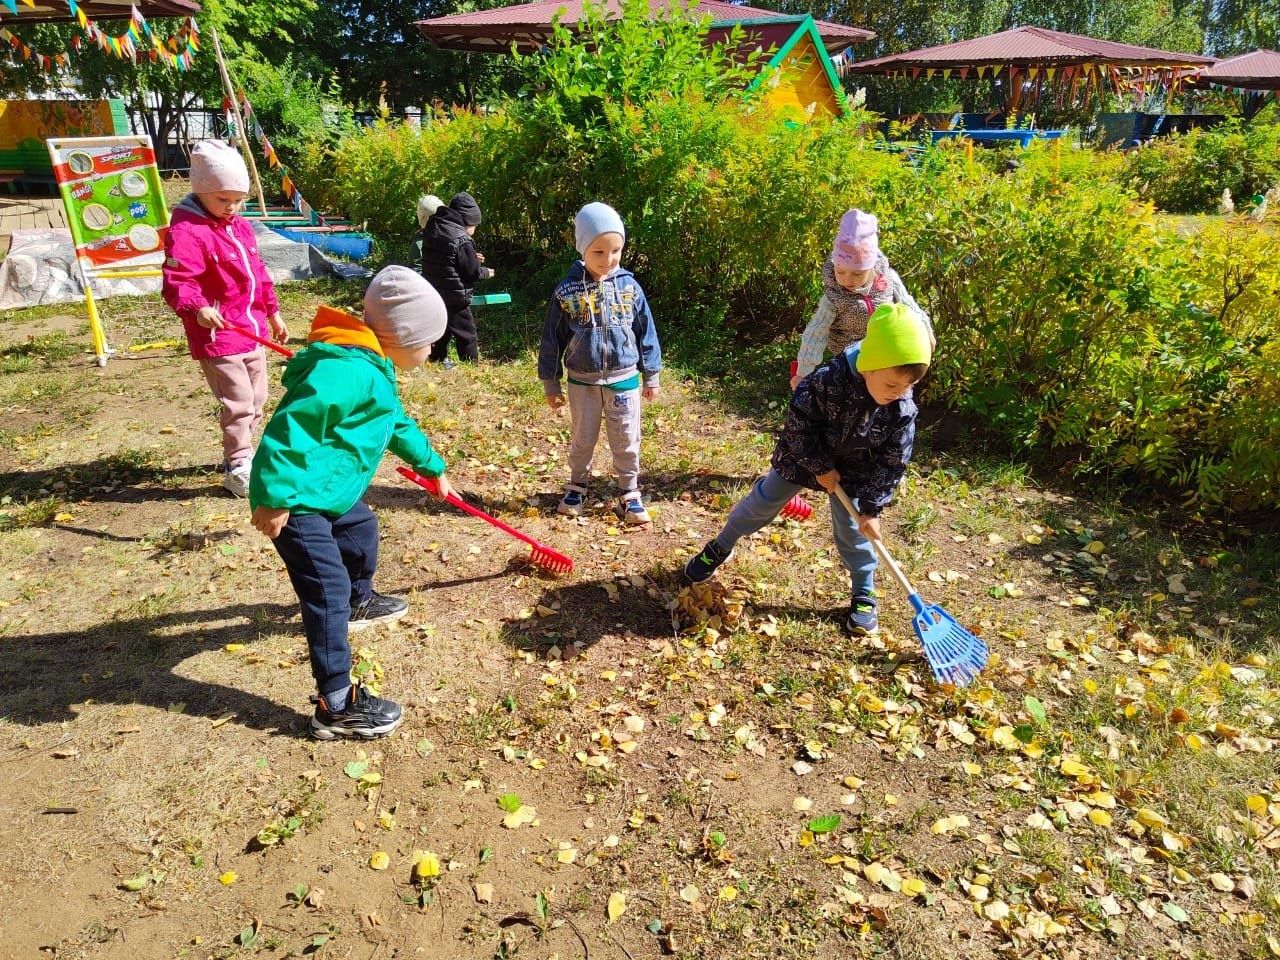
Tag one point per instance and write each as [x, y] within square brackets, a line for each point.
[212, 262]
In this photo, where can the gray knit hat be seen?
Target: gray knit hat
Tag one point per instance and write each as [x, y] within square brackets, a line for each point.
[403, 309]
[592, 220]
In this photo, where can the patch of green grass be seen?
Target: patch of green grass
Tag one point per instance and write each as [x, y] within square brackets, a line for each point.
[33, 513]
[40, 352]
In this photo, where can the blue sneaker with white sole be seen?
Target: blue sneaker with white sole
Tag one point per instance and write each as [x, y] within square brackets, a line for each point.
[863, 619]
[573, 502]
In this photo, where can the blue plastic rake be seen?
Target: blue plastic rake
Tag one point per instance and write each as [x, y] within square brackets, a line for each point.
[954, 654]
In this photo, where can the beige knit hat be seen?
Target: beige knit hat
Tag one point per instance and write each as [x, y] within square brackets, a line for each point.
[403, 309]
[215, 166]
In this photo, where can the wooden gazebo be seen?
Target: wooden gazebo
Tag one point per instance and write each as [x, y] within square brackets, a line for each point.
[1028, 59]
[1256, 75]
[528, 25]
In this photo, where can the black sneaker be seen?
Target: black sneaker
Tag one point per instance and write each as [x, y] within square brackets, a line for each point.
[706, 563]
[377, 609]
[863, 620]
[364, 716]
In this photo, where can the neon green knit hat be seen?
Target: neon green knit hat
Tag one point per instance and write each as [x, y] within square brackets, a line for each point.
[895, 336]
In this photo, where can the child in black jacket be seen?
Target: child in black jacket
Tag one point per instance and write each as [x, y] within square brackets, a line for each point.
[851, 423]
[453, 265]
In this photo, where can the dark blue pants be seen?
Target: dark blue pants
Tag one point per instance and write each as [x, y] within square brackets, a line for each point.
[331, 562]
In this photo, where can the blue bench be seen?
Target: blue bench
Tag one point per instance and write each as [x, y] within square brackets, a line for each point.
[1022, 137]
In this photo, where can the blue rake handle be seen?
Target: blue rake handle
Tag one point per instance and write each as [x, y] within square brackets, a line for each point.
[955, 655]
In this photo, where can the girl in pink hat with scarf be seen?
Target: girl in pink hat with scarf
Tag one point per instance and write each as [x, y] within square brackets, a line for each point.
[215, 281]
[856, 279]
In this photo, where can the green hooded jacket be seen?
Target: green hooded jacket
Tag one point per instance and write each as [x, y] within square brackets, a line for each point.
[340, 413]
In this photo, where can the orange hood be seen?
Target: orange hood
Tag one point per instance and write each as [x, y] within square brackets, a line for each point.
[341, 328]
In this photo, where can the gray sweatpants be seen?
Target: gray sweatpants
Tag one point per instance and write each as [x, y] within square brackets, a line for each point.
[621, 412]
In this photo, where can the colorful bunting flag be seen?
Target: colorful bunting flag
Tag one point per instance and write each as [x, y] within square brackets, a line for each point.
[291, 190]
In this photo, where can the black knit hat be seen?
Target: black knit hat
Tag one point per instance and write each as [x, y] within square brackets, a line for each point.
[465, 204]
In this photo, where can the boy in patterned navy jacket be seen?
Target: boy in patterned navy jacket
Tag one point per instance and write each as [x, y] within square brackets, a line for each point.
[852, 422]
[600, 333]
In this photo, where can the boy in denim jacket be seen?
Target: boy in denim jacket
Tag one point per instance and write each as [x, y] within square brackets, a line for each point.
[852, 423]
[600, 331]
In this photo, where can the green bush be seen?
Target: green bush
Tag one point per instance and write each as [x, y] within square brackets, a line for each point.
[1070, 322]
[1187, 174]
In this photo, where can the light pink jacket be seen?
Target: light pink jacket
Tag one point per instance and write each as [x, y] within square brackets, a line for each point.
[212, 262]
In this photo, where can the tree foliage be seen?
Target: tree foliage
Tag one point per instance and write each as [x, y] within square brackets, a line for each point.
[632, 59]
[252, 32]
[378, 56]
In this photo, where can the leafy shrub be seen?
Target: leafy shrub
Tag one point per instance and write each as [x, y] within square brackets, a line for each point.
[1069, 321]
[293, 109]
[1187, 174]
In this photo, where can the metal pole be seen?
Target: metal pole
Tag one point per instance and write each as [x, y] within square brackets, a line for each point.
[235, 107]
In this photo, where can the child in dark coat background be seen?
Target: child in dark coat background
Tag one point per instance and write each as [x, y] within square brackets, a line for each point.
[453, 265]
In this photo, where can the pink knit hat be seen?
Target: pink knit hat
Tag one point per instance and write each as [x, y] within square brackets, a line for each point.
[215, 166]
[857, 245]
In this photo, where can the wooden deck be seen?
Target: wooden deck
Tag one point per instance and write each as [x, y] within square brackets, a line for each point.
[29, 213]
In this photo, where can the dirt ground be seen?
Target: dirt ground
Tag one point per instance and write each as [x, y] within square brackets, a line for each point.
[585, 771]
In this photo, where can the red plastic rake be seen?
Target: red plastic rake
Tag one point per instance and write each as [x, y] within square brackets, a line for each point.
[542, 555]
[270, 344]
[797, 508]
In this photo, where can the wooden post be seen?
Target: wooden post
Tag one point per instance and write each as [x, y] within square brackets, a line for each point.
[245, 148]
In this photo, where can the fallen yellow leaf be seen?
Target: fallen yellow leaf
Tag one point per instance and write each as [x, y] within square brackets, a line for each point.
[913, 887]
[1150, 819]
[617, 905]
[426, 866]
[728, 893]
[520, 816]
[945, 825]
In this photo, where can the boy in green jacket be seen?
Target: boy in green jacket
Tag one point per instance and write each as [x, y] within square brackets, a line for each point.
[340, 413]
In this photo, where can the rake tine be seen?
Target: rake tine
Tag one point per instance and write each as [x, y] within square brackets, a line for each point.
[949, 648]
[541, 556]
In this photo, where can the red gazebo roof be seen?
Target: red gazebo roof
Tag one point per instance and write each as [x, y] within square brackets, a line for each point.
[59, 11]
[1259, 70]
[1030, 47]
[528, 25]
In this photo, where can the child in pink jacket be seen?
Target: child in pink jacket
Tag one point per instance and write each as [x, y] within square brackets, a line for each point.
[215, 280]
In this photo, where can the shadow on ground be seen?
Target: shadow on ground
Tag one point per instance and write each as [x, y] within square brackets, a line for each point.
[45, 676]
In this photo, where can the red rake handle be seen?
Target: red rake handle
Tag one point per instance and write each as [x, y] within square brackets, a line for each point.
[426, 483]
[271, 344]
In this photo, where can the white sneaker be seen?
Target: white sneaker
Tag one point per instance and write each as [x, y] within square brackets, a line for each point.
[573, 502]
[236, 479]
[630, 510]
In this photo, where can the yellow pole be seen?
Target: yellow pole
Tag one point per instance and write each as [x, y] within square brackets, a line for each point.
[98, 335]
[245, 148]
[122, 274]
